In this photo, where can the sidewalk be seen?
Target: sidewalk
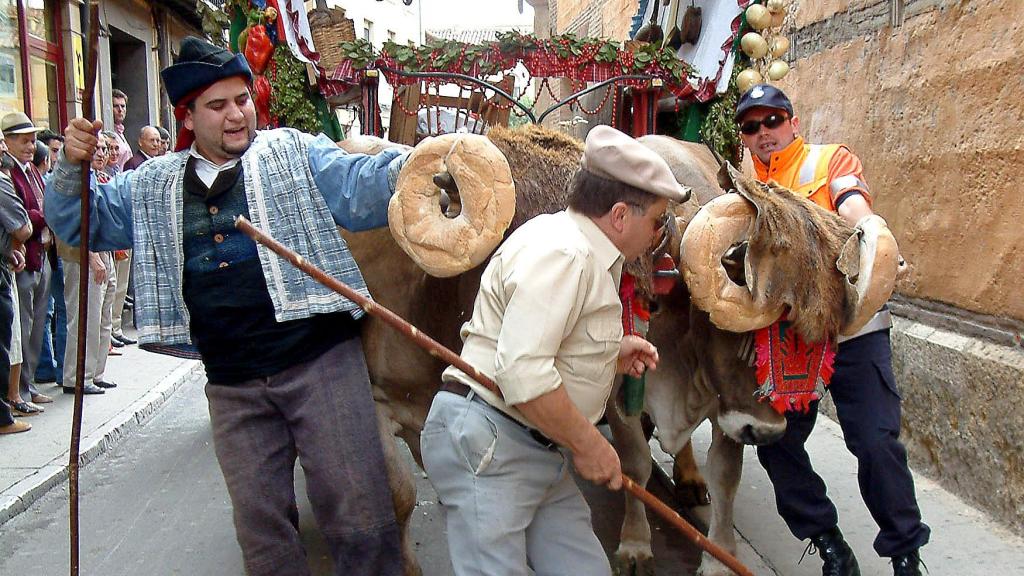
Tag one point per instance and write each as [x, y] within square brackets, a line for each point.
[35, 461]
[964, 541]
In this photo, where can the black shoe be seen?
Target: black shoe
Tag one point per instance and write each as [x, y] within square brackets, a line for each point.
[115, 342]
[20, 408]
[47, 380]
[87, 389]
[836, 554]
[907, 564]
[103, 384]
[123, 339]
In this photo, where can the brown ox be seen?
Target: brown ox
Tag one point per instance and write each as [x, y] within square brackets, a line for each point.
[701, 375]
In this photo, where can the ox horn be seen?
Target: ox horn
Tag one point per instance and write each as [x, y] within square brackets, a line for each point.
[870, 261]
[442, 244]
[719, 225]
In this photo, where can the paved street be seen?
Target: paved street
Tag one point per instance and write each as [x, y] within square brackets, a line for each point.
[156, 505]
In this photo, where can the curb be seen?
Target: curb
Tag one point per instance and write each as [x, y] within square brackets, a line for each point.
[20, 496]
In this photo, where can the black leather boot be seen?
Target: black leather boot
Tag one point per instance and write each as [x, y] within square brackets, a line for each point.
[836, 554]
[907, 564]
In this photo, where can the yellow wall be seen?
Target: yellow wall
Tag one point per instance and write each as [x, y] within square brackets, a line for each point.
[933, 109]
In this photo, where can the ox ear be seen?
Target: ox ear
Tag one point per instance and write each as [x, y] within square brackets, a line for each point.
[725, 180]
[745, 186]
[848, 262]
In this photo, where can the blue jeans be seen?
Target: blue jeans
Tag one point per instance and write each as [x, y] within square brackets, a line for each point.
[46, 370]
[56, 337]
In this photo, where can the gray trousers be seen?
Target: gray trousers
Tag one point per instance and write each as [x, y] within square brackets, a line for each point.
[6, 327]
[34, 300]
[122, 274]
[101, 294]
[509, 502]
[321, 411]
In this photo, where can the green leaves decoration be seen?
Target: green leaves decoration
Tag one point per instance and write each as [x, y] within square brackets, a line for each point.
[291, 101]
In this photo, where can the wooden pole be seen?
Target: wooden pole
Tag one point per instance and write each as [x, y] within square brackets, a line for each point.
[89, 111]
[434, 348]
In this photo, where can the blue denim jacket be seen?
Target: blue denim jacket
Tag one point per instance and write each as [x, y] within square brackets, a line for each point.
[299, 203]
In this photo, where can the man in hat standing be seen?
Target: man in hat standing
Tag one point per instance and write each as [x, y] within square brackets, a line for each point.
[283, 356]
[14, 225]
[863, 387]
[547, 327]
[34, 281]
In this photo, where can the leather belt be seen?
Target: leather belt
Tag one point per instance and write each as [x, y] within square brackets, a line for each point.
[464, 390]
[882, 320]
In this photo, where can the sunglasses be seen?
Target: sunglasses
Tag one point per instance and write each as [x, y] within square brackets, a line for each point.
[771, 122]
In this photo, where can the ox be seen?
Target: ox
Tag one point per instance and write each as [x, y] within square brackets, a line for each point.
[701, 375]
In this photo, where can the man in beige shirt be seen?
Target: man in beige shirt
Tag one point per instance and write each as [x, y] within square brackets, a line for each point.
[547, 327]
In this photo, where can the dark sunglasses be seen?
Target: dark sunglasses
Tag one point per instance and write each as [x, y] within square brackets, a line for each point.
[771, 122]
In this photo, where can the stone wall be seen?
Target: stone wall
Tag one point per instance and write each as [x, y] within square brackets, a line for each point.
[599, 18]
[930, 101]
[932, 107]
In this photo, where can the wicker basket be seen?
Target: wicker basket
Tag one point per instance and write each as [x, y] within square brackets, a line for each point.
[329, 29]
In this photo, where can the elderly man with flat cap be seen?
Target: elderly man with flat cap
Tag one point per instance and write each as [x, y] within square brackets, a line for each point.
[547, 328]
[283, 356]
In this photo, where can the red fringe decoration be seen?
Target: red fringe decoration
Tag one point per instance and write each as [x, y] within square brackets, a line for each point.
[791, 373]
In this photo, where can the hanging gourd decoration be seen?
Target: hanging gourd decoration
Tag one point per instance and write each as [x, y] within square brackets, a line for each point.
[779, 46]
[776, 6]
[758, 17]
[747, 79]
[754, 45]
[778, 69]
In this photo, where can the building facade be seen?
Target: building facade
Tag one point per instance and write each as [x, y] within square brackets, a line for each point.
[42, 58]
[378, 22]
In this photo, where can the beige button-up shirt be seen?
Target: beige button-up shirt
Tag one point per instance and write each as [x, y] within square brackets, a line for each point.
[547, 315]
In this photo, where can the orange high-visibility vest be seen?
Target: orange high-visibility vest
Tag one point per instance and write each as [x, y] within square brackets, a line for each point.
[803, 168]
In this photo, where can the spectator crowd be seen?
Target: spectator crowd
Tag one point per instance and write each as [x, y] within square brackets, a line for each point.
[40, 275]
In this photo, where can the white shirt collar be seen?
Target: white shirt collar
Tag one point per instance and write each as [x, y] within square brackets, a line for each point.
[206, 170]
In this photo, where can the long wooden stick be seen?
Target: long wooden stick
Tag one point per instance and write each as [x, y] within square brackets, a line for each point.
[89, 111]
[436, 349]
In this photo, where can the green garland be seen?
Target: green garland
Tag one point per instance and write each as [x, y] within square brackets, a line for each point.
[292, 102]
[720, 130]
[439, 54]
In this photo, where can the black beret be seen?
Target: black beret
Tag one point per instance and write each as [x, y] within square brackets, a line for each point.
[200, 64]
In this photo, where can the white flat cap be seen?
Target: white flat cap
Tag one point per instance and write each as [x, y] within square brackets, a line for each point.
[611, 154]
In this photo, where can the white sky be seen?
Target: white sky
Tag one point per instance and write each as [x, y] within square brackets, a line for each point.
[475, 14]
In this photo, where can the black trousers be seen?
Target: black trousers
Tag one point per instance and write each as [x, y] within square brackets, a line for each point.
[6, 332]
[868, 405]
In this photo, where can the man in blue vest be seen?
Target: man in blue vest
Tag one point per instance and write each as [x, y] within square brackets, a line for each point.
[283, 355]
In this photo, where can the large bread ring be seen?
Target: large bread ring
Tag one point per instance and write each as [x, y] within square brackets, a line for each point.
[445, 246]
[719, 224]
[371, 145]
[871, 256]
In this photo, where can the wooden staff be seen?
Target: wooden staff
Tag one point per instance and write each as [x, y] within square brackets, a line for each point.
[437, 350]
[89, 111]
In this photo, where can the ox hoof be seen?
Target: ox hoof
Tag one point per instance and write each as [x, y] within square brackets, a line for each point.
[633, 560]
[692, 493]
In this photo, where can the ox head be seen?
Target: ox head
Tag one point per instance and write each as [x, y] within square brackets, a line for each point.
[797, 257]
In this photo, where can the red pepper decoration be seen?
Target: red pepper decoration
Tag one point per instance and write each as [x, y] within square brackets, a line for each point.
[258, 49]
[262, 88]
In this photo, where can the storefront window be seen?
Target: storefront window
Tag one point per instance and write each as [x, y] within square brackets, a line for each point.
[11, 92]
[39, 14]
[45, 108]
